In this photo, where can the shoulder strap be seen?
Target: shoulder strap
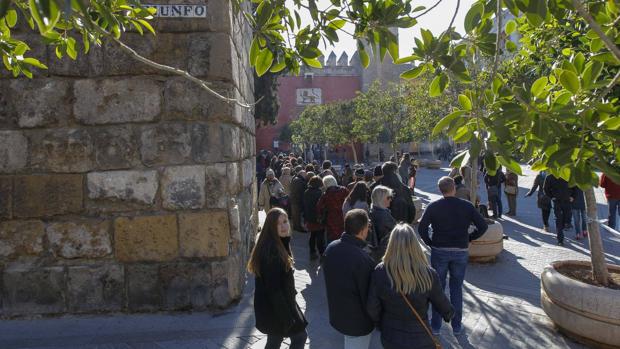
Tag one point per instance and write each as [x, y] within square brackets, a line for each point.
[430, 334]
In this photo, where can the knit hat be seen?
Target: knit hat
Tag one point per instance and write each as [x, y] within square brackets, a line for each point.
[270, 173]
[359, 172]
[378, 172]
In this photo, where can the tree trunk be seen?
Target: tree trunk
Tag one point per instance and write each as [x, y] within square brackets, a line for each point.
[354, 153]
[473, 180]
[599, 267]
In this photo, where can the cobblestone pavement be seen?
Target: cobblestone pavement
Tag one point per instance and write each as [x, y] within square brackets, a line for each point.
[502, 300]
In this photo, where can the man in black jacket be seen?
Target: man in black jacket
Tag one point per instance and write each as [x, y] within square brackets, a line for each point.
[402, 207]
[557, 189]
[298, 186]
[347, 267]
[450, 218]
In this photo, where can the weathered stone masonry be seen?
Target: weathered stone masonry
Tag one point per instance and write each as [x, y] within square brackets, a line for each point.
[123, 188]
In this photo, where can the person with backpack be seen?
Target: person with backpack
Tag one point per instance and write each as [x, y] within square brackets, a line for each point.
[277, 313]
[401, 289]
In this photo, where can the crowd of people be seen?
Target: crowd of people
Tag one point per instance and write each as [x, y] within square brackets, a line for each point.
[361, 228]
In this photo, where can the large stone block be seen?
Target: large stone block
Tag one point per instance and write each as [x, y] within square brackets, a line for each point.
[116, 147]
[248, 172]
[215, 142]
[144, 290]
[13, 151]
[8, 114]
[227, 280]
[41, 102]
[185, 100]
[21, 238]
[96, 288]
[165, 144]
[216, 185]
[47, 195]
[146, 238]
[234, 175]
[6, 198]
[123, 186]
[61, 150]
[28, 290]
[80, 239]
[204, 234]
[183, 187]
[111, 101]
[86, 64]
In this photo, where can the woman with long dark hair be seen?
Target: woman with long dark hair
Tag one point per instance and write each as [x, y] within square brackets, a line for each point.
[357, 198]
[271, 262]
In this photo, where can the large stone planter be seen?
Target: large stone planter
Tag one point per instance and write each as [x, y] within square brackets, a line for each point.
[419, 210]
[488, 246]
[433, 164]
[421, 162]
[586, 313]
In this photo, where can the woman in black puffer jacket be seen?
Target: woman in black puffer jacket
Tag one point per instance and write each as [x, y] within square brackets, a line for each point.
[405, 272]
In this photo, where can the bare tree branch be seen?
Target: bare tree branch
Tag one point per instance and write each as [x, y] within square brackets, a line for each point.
[428, 10]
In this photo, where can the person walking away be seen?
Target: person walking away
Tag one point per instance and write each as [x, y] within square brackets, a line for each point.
[402, 207]
[276, 311]
[612, 193]
[347, 175]
[580, 218]
[381, 220]
[270, 191]
[543, 201]
[358, 176]
[329, 208]
[462, 191]
[405, 279]
[403, 168]
[494, 186]
[356, 198]
[559, 192]
[286, 179]
[347, 268]
[298, 187]
[450, 219]
[312, 218]
[511, 188]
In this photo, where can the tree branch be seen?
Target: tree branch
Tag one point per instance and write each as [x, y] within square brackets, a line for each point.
[611, 85]
[498, 40]
[615, 50]
[428, 10]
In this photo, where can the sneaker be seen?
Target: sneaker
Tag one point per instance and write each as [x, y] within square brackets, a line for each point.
[560, 243]
[458, 331]
[546, 228]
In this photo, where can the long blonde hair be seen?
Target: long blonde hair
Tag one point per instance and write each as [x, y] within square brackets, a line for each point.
[405, 262]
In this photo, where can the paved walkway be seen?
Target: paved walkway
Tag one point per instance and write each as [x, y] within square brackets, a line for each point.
[502, 301]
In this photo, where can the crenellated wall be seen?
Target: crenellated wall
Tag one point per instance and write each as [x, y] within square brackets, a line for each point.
[123, 188]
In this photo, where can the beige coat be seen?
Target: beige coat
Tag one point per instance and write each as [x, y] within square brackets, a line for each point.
[267, 190]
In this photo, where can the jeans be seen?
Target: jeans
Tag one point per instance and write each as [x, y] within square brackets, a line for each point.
[359, 342]
[317, 241]
[298, 340]
[562, 211]
[580, 220]
[455, 263]
[614, 211]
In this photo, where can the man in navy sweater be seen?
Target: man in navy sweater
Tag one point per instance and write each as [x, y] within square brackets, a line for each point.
[450, 218]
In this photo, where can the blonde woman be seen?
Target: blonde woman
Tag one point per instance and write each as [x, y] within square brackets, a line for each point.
[405, 272]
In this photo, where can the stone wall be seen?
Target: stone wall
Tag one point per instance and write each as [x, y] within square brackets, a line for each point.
[123, 188]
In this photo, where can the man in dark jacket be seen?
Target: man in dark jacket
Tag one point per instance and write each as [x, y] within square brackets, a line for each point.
[298, 186]
[402, 207]
[450, 218]
[347, 270]
[557, 189]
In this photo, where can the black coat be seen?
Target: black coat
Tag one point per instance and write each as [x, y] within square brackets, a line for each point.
[382, 225]
[347, 268]
[311, 198]
[557, 189]
[402, 207]
[398, 325]
[298, 186]
[275, 308]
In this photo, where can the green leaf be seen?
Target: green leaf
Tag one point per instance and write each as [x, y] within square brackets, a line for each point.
[465, 102]
[279, 66]
[263, 61]
[473, 16]
[510, 164]
[314, 63]
[364, 58]
[591, 73]
[457, 161]
[254, 51]
[35, 62]
[414, 73]
[337, 24]
[490, 162]
[567, 51]
[147, 25]
[570, 81]
[578, 62]
[408, 59]
[438, 85]
[445, 121]
[71, 51]
[538, 87]
[511, 46]
[11, 17]
[511, 26]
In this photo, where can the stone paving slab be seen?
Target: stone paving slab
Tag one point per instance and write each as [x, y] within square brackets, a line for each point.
[501, 301]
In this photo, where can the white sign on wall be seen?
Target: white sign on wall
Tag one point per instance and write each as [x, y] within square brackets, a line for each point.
[309, 96]
[179, 10]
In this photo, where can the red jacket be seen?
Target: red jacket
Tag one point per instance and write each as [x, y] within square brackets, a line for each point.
[612, 189]
[331, 202]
